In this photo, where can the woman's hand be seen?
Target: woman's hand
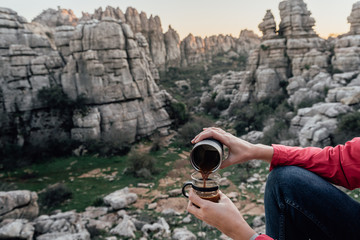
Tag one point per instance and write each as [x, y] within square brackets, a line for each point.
[223, 215]
[239, 150]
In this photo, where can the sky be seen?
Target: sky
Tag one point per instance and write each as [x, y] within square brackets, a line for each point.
[201, 17]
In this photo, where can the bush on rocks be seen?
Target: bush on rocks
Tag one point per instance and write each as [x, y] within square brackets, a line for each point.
[348, 128]
[191, 128]
[55, 195]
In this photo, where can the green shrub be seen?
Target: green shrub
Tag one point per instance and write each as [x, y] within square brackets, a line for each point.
[98, 202]
[55, 98]
[13, 156]
[5, 187]
[54, 195]
[107, 148]
[156, 143]
[179, 113]
[309, 102]
[223, 104]
[276, 133]
[142, 165]
[215, 112]
[191, 129]
[251, 117]
[333, 70]
[264, 47]
[199, 75]
[348, 128]
[214, 108]
[209, 105]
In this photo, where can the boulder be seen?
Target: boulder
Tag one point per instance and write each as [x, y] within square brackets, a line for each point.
[125, 228]
[18, 204]
[61, 226]
[183, 234]
[347, 95]
[315, 125]
[160, 229]
[120, 199]
[16, 229]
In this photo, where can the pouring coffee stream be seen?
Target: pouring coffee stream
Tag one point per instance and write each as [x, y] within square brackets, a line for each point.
[206, 157]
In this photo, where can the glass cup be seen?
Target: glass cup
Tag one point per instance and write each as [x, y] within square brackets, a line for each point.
[208, 189]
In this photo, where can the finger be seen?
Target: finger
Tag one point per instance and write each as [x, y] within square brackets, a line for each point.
[225, 199]
[193, 209]
[210, 133]
[195, 199]
[197, 136]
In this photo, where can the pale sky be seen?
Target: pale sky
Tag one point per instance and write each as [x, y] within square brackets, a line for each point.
[201, 17]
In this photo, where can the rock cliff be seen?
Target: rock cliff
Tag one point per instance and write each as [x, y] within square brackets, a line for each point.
[311, 68]
[165, 49]
[103, 62]
[54, 18]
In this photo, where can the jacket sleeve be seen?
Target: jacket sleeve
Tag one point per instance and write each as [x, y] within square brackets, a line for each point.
[339, 165]
[263, 237]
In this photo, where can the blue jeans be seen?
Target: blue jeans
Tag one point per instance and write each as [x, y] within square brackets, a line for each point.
[301, 205]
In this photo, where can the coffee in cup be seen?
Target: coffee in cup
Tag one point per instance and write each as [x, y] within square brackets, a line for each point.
[208, 191]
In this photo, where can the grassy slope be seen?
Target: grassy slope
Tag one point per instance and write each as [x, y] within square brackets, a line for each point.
[85, 190]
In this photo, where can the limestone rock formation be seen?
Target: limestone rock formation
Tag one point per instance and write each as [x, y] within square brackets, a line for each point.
[62, 37]
[295, 19]
[347, 57]
[315, 125]
[54, 18]
[112, 67]
[192, 50]
[268, 26]
[166, 49]
[18, 204]
[99, 14]
[172, 44]
[102, 61]
[197, 50]
[354, 19]
[139, 23]
[312, 69]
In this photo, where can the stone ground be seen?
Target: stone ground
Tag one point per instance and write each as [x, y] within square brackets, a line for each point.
[161, 199]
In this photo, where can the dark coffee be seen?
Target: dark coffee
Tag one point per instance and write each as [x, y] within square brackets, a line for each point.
[206, 158]
[214, 198]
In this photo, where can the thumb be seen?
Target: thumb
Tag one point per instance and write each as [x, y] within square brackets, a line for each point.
[227, 162]
[195, 199]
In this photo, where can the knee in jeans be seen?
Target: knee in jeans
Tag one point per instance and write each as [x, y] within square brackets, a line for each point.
[287, 174]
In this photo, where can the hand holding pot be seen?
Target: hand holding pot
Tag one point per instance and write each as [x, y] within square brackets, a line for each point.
[240, 150]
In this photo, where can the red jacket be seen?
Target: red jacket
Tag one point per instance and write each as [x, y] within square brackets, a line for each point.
[339, 165]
